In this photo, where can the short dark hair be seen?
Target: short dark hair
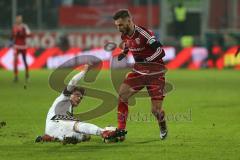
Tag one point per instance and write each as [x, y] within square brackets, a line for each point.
[122, 13]
[79, 89]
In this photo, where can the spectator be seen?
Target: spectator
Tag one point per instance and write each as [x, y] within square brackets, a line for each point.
[180, 13]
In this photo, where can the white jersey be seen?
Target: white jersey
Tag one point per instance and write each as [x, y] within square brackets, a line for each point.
[60, 106]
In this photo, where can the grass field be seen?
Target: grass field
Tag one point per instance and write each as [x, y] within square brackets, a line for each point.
[202, 112]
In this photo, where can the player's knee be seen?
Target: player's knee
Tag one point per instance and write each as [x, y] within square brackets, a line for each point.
[154, 110]
[125, 93]
[75, 127]
[123, 96]
[160, 114]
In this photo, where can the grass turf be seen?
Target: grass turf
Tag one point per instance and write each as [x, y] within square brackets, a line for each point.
[202, 113]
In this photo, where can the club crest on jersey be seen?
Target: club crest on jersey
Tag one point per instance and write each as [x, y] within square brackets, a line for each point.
[137, 41]
[127, 43]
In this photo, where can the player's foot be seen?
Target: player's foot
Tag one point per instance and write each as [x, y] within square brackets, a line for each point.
[70, 140]
[38, 139]
[45, 138]
[113, 135]
[163, 130]
[26, 78]
[15, 80]
[121, 133]
[107, 134]
[163, 134]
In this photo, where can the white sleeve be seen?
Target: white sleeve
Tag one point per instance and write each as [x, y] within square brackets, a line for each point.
[28, 32]
[73, 82]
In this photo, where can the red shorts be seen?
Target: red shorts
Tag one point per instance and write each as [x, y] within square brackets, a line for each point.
[154, 84]
[20, 51]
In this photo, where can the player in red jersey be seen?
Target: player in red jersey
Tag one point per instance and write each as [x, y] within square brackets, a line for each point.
[148, 71]
[20, 32]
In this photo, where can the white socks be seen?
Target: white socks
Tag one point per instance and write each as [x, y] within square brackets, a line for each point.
[87, 128]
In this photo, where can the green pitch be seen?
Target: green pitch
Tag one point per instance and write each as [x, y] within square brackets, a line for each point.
[202, 112]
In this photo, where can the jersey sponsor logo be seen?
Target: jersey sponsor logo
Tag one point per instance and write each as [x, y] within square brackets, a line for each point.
[137, 41]
[136, 49]
[64, 117]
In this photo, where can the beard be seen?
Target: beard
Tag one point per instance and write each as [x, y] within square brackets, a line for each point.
[126, 30]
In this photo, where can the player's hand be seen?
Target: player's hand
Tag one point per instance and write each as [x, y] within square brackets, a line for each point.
[121, 56]
[92, 65]
[86, 67]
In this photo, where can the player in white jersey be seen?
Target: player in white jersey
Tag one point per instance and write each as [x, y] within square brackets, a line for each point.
[61, 125]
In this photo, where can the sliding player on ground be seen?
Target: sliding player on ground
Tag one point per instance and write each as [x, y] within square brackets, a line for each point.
[60, 123]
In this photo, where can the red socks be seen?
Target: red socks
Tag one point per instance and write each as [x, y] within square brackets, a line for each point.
[160, 116]
[15, 68]
[122, 114]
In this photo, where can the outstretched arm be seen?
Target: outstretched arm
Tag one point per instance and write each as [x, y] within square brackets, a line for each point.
[73, 82]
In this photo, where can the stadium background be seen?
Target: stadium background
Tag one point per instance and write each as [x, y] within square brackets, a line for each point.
[62, 28]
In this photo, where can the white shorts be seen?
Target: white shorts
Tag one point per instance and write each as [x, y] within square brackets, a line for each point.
[62, 128]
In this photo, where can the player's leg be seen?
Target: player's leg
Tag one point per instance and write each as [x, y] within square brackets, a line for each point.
[91, 129]
[87, 128]
[131, 85]
[60, 130]
[24, 57]
[156, 91]
[125, 92]
[15, 65]
[73, 137]
[158, 112]
[53, 132]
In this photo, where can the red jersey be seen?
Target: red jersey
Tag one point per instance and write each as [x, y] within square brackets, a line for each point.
[139, 45]
[19, 34]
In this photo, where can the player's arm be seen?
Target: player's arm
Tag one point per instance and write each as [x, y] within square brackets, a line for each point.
[73, 82]
[124, 52]
[27, 29]
[156, 46]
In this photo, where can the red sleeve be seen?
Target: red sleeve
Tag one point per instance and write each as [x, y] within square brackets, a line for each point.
[147, 35]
